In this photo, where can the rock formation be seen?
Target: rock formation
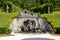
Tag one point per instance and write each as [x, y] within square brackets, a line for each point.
[26, 22]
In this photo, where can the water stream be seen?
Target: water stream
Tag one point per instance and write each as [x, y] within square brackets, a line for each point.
[28, 23]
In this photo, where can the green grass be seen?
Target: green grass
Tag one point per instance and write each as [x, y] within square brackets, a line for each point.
[54, 18]
[6, 18]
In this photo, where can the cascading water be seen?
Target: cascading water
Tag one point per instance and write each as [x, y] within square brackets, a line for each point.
[29, 23]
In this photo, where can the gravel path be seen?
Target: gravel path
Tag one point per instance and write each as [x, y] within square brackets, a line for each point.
[20, 36]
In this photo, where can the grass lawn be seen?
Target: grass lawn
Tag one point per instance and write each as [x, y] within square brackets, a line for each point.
[54, 18]
[6, 18]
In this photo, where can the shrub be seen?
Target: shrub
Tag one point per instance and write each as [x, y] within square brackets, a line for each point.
[15, 8]
[36, 8]
[8, 31]
[53, 30]
[57, 9]
[5, 30]
[57, 30]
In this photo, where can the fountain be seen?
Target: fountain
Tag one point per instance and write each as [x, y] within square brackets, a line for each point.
[26, 22]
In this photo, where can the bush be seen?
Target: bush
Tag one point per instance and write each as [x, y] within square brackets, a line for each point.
[58, 30]
[57, 9]
[53, 30]
[36, 8]
[5, 31]
[8, 31]
[15, 8]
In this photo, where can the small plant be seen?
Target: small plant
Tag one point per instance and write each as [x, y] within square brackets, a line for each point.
[8, 31]
[5, 31]
[53, 30]
[58, 30]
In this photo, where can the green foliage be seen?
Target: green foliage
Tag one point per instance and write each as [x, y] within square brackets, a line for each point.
[42, 8]
[57, 9]
[12, 7]
[27, 4]
[5, 30]
[5, 4]
[15, 8]
[58, 30]
[53, 30]
[45, 7]
[16, 2]
[36, 9]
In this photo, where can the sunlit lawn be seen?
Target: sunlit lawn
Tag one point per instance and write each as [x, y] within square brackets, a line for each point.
[54, 18]
[6, 18]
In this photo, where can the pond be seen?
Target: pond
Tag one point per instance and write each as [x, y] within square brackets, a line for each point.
[38, 39]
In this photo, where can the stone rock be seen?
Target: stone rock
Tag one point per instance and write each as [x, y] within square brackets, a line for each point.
[27, 22]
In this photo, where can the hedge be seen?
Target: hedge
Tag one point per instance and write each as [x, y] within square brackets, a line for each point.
[57, 30]
[5, 30]
[5, 4]
[42, 8]
[13, 8]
